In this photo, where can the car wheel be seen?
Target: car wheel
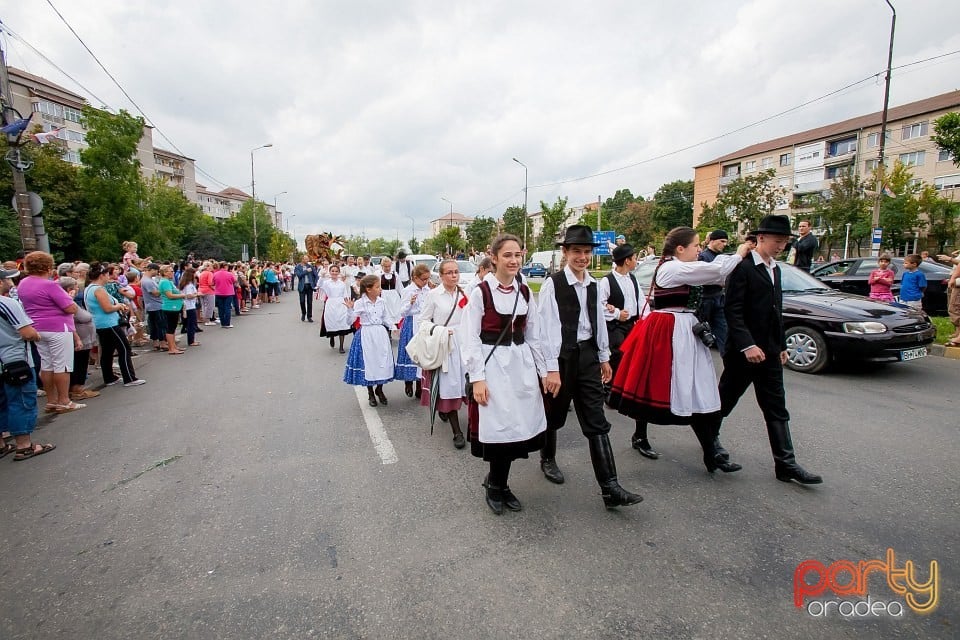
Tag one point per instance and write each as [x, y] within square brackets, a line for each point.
[806, 350]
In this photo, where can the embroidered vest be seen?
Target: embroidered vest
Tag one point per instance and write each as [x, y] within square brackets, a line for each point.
[685, 296]
[492, 322]
[388, 284]
[616, 294]
[568, 305]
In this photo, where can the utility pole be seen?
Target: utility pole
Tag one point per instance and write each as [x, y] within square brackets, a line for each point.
[19, 163]
[881, 169]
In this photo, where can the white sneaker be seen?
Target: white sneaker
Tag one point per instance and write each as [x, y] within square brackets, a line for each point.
[228, 326]
[210, 324]
[135, 383]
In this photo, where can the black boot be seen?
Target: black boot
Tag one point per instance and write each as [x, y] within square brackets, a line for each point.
[604, 467]
[705, 430]
[379, 392]
[408, 388]
[418, 390]
[548, 458]
[370, 397]
[640, 441]
[331, 342]
[458, 441]
[785, 460]
[494, 496]
[721, 452]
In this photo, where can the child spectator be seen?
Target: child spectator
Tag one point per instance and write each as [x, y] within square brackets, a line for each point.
[913, 283]
[881, 279]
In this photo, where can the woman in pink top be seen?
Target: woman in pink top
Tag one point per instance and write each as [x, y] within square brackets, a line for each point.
[207, 294]
[881, 280]
[225, 290]
[51, 309]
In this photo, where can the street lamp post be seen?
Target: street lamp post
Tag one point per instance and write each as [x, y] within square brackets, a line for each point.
[524, 202]
[450, 223]
[253, 193]
[875, 249]
[276, 211]
[846, 242]
[413, 231]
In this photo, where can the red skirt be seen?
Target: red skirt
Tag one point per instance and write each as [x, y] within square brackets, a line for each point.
[641, 387]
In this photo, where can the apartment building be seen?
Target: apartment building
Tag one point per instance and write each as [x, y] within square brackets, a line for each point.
[535, 219]
[226, 203]
[451, 219]
[808, 162]
[53, 107]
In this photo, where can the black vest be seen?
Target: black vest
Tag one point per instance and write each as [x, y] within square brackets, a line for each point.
[616, 294]
[569, 307]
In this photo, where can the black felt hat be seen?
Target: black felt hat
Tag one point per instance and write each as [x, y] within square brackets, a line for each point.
[775, 225]
[622, 252]
[578, 234]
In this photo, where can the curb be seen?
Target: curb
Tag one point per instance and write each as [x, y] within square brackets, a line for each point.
[944, 351]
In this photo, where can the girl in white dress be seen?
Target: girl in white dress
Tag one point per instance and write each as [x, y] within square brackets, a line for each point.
[410, 303]
[370, 363]
[337, 319]
[444, 306]
[390, 287]
[507, 419]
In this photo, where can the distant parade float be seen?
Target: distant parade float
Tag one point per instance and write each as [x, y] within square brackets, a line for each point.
[324, 246]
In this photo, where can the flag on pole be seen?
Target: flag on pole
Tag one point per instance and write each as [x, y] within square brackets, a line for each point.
[46, 136]
[16, 127]
[887, 191]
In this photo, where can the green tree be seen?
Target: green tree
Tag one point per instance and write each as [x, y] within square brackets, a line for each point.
[900, 216]
[383, 247]
[204, 239]
[282, 248]
[637, 223]
[238, 230]
[553, 216]
[10, 243]
[749, 198]
[480, 232]
[513, 221]
[845, 204]
[714, 216]
[110, 180]
[946, 134]
[942, 217]
[414, 245]
[673, 205]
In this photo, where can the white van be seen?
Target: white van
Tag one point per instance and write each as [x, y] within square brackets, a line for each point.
[549, 259]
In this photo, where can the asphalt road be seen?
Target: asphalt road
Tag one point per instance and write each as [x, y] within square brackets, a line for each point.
[238, 494]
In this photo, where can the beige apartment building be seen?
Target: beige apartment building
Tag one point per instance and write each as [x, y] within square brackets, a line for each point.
[808, 162]
[452, 219]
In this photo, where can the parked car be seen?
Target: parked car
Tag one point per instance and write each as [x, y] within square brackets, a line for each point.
[851, 276]
[534, 270]
[423, 258]
[823, 325]
[468, 273]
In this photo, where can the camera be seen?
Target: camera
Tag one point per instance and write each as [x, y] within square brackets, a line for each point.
[703, 331]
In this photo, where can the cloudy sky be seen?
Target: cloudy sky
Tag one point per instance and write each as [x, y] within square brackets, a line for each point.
[378, 109]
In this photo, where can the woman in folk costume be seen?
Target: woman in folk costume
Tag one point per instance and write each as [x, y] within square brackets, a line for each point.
[667, 375]
[337, 319]
[390, 287]
[444, 306]
[501, 352]
[370, 363]
[410, 303]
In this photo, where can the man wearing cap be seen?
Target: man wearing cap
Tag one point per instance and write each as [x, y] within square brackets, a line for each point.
[576, 348]
[711, 302]
[756, 349]
[620, 241]
[623, 303]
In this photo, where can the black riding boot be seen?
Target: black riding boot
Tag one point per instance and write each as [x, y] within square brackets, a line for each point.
[494, 483]
[418, 390]
[640, 441]
[458, 440]
[408, 388]
[380, 395]
[605, 468]
[721, 452]
[370, 397]
[785, 460]
[705, 429]
[548, 458]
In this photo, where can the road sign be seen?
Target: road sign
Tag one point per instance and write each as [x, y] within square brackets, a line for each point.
[877, 237]
[36, 203]
[605, 238]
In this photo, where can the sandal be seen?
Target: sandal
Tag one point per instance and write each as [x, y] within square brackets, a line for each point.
[7, 448]
[951, 343]
[28, 452]
[195, 344]
[70, 406]
[178, 352]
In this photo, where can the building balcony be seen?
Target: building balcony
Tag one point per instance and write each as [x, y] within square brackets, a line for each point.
[725, 180]
[841, 158]
[816, 186]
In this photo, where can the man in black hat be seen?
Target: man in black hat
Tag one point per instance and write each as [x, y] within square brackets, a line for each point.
[576, 348]
[622, 301]
[756, 349]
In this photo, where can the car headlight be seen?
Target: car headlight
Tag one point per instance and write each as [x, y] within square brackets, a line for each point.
[864, 327]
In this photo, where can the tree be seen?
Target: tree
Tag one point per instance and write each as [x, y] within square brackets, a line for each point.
[845, 204]
[238, 230]
[513, 221]
[900, 215]
[110, 179]
[282, 247]
[942, 216]
[480, 232]
[414, 245]
[553, 216]
[383, 247]
[637, 223]
[204, 239]
[946, 134]
[712, 217]
[749, 198]
[674, 205]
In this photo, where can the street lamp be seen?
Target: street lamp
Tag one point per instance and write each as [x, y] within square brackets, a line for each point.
[275, 210]
[253, 190]
[524, 202]
[451, 210]
[413, 231]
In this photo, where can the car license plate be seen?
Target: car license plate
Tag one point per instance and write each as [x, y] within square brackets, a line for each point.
[913, 354]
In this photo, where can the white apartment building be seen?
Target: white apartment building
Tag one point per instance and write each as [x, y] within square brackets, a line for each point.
[452, 219]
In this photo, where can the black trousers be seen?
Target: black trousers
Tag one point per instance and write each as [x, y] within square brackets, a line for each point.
[579, 383]
[114, 341]
[306, 301]
[767, 380]
[618, 332]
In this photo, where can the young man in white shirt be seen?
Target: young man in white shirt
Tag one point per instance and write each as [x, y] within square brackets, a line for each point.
[577, 350]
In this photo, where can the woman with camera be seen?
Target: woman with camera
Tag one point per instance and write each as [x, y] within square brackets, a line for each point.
[666, 375]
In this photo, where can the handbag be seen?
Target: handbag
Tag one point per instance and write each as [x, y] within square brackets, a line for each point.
[18, 372]
[468, 386]
[124, 319]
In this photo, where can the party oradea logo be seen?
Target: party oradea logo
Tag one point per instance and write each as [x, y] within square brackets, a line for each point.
[861, 588]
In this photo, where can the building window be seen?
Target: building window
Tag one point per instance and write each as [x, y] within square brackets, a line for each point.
[750, 165]
[914, 130]
[783, 182]
[944, 156]
[731, 170]
[72, 157]
[766, 163]
[914, 158]
[71, 114]
[947, 182]
[870, 165]
[785, 159]
[842, 147]
[72, 136]
[833, 173]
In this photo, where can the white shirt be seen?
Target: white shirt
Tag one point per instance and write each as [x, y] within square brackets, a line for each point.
[404, 268]
[436, 306]
[549, 320]
[771, 265]
[630, 302]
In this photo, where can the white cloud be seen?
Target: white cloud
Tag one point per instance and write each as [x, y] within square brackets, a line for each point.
[377, 109]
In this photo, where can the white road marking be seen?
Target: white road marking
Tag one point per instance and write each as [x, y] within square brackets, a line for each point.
[388, 455]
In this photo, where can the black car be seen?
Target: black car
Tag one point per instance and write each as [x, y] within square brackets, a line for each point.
[851, 276]
[823, 325]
